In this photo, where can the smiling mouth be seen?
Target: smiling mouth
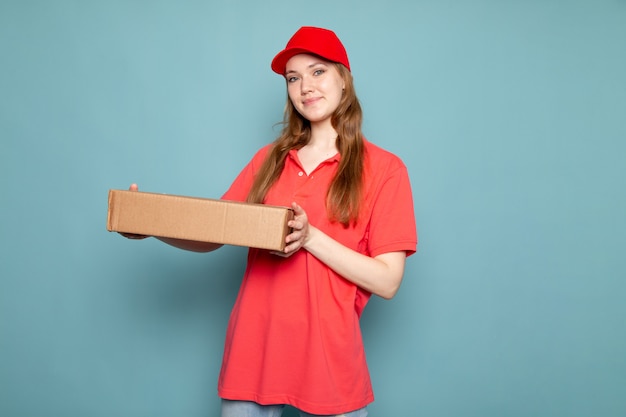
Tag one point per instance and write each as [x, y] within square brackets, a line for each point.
[310, 101]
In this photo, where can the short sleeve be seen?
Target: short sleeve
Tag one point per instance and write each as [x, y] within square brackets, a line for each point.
[239, 189]
[392, 225]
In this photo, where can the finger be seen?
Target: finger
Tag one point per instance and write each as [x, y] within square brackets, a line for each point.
[295, 224]
[297, 209]
[281, 254]
[134, 187]
[292, 247]
[293, 237]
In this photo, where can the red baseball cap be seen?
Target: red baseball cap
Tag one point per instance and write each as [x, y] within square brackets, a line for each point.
[311, 40]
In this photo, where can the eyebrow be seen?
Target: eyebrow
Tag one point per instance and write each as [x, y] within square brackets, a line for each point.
[309, 66]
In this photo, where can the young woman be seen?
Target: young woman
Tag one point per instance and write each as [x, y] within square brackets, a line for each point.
[294, 335]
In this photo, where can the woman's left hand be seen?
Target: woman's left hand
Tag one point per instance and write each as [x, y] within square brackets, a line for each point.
[300, 231]
[380, 275]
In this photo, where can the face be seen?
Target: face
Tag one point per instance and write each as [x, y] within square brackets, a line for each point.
[314, 86]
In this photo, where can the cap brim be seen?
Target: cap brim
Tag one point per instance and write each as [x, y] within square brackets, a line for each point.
[279, 63]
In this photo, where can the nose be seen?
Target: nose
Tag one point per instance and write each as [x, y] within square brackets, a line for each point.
[306, 85]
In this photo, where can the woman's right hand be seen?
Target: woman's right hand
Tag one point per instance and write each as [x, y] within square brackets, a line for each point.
[133, 187]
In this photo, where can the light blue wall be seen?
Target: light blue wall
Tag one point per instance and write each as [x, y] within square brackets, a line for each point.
[510, 115]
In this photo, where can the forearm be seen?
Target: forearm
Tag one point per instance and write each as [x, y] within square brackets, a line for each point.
[381, 275]
[191, 245]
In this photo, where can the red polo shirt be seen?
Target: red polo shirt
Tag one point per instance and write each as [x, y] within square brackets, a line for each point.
[294, 335]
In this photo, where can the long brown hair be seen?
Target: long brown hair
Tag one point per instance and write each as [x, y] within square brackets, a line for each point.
[343, 198]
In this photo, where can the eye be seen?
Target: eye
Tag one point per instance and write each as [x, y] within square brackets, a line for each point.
[319, 72]
[291, 79]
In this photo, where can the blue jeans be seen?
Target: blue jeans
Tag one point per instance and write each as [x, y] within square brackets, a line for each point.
[252, 409]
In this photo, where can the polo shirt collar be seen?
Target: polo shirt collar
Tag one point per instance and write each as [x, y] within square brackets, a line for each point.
[293, 154]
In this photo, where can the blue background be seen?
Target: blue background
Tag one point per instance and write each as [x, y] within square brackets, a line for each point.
[510, 116]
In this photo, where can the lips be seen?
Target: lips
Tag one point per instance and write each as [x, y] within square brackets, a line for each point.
[310, 101]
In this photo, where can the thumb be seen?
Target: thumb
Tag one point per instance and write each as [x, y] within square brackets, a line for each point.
[297, 209]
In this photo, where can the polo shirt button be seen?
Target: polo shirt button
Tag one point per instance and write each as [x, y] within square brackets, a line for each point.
[300, 173]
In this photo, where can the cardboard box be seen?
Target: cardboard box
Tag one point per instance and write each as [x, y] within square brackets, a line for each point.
[199, 219]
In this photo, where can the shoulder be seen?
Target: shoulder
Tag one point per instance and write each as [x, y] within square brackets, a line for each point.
[261, 153]
[259, 156]
[377, 158]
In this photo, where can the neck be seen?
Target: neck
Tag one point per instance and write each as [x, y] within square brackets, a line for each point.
[323, 137]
